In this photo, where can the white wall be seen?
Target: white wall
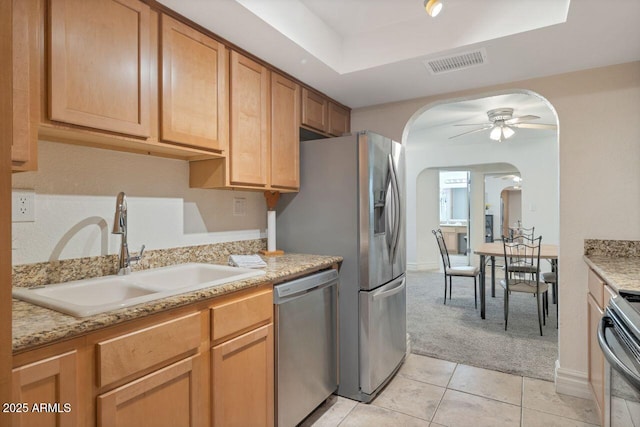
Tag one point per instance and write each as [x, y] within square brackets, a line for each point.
[540, 185]
[599, 148]
[76, 188]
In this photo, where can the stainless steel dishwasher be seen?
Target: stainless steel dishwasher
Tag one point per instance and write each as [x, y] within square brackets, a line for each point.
[306, 345]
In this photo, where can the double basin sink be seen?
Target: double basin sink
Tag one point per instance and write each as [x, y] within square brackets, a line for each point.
[87, 297]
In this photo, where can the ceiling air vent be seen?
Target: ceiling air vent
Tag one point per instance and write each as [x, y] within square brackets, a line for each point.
[457, 62]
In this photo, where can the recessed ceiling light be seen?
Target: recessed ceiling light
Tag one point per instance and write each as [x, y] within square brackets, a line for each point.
[433, 7]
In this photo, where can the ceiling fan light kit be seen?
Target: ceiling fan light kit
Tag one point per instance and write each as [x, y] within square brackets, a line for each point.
[501, 132]
[508, 132]
[502, 123]
[433, 7]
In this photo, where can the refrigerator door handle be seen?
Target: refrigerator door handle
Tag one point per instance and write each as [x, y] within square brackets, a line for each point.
[390, 292]
[390, 221]
[396, 208]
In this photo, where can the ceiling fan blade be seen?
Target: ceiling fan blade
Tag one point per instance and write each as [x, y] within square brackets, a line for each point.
[534, 126]
[521, 119]
[474, 124]
[472, 131]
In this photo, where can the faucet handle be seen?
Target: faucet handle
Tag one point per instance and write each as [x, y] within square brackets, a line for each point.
[138, 257]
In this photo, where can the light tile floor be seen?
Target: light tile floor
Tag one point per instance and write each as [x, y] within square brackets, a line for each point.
[432, 392]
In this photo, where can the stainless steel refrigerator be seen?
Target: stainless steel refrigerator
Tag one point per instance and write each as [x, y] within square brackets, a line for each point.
[351, 203]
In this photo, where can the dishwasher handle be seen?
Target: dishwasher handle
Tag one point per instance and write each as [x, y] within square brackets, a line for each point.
[289, 290]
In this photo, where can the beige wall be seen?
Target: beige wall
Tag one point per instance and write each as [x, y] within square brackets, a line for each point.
[599, 149]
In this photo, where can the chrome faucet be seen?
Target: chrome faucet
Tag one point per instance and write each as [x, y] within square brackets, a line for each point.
[120, 227]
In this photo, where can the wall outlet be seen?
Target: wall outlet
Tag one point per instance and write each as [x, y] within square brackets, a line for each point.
[23, 205]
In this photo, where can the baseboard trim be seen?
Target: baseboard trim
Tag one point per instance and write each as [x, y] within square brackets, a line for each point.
[572, 383]
[422, 266]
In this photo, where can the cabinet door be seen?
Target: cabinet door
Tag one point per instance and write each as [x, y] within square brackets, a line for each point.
[249, 122]
[596, 358]
[194, 88]
[168, 397]
[25, 96]
[51, 382]
[314, 110]
[99, 64]
[451, 240]
[339, 120]
[285, 133]
[242, 388]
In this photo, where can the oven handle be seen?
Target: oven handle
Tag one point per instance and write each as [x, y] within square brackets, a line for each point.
[615, 362]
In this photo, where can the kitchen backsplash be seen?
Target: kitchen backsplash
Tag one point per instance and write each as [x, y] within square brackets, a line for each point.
[75, 199]
[44, 273]
[615, 248]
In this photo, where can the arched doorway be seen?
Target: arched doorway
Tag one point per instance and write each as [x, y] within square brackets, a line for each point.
[531, 157]
[531, 153]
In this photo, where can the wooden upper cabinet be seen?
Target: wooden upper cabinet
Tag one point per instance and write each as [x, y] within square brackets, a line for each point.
[249, 121]
[99, 64]
[314, 110]
[25, 85]
[285, 133]
[339, 120]
[194, 88]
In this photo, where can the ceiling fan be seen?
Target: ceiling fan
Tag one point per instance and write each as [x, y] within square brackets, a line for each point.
[502, 124]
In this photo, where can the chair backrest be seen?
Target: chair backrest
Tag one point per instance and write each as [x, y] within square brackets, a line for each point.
[522, 261]
[444, 254]
[517, 233]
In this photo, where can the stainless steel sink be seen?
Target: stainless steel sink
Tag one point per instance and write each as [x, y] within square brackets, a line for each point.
[87, 297]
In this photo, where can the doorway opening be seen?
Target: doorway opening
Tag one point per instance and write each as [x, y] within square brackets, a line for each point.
[503, 204]
[454, 200]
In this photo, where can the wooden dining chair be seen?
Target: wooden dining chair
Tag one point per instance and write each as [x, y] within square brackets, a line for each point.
[519, 254]
[449, 271]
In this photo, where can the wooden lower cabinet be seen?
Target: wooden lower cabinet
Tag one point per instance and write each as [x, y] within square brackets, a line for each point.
[46, 393]
[243, 388]
[596, 358]
[169, 397]
[211, 363]
[597, 300]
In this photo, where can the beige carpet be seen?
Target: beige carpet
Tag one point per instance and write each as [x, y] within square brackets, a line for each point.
[455, 331]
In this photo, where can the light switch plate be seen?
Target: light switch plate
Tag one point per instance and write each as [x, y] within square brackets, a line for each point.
[23, 205]
[239, 206]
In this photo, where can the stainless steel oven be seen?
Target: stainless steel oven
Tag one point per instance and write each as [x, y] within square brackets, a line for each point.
[619, 339]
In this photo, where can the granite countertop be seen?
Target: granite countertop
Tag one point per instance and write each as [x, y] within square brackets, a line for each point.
[34, 326]
[622, 273]
[617, 262]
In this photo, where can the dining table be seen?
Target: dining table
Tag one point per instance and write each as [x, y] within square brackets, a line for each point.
[496, 249]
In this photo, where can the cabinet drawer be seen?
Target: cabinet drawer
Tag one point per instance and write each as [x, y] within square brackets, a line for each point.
[138, 351]
[241, 315]
[596, 288]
